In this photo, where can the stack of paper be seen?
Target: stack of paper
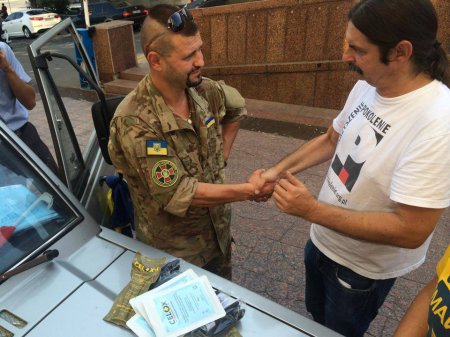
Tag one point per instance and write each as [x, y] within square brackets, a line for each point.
[178, 306]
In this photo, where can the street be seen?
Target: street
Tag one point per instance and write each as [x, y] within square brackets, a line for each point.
[64, 74]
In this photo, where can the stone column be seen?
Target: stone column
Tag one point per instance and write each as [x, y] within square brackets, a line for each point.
[114, 48]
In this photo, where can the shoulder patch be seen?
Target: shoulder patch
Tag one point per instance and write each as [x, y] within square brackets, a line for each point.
[156, 147]
[209, 121]
[165, 173]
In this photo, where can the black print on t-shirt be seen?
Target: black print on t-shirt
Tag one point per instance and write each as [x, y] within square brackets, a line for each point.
[369, 137]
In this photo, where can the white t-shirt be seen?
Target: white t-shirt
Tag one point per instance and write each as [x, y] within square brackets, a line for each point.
[389, 150]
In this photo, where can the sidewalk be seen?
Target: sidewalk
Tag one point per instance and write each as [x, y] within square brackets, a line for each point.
[268, 257]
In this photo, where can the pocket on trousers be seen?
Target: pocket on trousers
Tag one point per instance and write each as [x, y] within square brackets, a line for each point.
[353, 281]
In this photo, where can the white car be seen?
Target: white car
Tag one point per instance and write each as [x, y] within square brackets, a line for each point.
[29, 22]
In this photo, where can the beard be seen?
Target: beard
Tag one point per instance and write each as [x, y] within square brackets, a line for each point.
[353, 67]
[193, 82]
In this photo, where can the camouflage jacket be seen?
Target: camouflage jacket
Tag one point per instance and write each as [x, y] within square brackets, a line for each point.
[163, 157]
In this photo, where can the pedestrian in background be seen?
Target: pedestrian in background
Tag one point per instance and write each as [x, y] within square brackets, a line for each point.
[4, 11]
[16, 98]
[171, 137]
[389, 178]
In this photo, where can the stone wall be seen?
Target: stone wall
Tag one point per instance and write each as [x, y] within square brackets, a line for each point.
[285, 50]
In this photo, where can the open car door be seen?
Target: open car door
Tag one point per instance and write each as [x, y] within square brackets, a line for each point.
[79, 171]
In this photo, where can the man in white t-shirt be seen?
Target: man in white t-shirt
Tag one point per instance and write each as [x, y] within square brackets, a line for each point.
[389, 178]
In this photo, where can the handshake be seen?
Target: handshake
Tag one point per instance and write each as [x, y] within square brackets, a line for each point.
[263, 183]
[290, 195]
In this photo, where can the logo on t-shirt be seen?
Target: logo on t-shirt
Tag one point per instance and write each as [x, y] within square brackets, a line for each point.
[348, 167]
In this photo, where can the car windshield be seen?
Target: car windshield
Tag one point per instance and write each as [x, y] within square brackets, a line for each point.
[31, 212]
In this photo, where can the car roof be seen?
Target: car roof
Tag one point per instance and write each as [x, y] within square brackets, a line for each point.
[26, 11]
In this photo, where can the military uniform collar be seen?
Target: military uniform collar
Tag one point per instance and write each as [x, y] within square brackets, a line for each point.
[201, 105]
[160, 108]
[163, 112]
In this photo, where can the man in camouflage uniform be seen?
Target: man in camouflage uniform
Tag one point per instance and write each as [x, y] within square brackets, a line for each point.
[170, 137]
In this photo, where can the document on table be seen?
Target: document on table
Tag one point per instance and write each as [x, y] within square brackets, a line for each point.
[179, 306]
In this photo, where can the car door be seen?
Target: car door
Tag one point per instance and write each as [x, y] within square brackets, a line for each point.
[79, 171]
[18, 24]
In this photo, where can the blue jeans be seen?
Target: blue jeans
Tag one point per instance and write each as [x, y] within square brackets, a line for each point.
[339, 298]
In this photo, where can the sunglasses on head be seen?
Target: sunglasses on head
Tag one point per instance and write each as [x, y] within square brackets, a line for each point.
[176, 20]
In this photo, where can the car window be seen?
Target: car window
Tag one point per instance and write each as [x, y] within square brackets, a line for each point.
[120, 3]
[37, 12]
[74, 168]
[103, 9]
[13, 16]
[31, 212]
[18, 16]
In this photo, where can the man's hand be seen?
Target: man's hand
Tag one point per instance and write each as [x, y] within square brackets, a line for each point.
[4, 64]
[292, 197]
[263, 189]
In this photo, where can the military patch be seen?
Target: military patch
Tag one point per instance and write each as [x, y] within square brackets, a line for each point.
[165, 173]
[209, 121]
[156, 148]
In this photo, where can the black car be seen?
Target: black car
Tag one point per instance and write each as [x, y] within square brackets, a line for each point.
[206, 3]
[106, 11]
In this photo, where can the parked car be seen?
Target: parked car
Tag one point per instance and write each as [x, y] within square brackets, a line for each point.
[29, 22]
[106, 11]
[45, 217]
[206, 3]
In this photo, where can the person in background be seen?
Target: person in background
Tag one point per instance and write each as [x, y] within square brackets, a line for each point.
[171, 137]
[16, 98]
[429, 313]
[389, 178]
[4, 13]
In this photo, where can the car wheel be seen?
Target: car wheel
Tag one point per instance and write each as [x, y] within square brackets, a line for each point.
[27, 33]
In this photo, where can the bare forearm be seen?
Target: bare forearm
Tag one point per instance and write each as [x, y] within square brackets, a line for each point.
[229, 133]
[406, 227]
[22, 91]
[415, 321]
[314, 152]
[217, 194]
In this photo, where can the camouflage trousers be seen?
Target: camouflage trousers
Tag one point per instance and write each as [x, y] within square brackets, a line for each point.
[221, 264]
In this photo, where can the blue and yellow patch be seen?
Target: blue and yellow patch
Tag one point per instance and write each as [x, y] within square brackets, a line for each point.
[165, 173]
[209, 121]
[156, 148]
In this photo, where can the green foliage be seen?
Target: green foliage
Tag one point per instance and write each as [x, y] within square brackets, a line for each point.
[57, 6]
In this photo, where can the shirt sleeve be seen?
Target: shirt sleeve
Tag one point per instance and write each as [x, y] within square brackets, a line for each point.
[421, 176]
[15, 64]
[445, 260]
[234, 104]
[145, 154]
[223, 100]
